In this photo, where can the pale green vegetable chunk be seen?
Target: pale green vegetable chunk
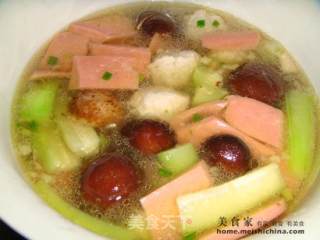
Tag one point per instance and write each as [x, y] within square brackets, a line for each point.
[300, 109]
[51, 151]
[178, 159]
[204, 95]
[101, 227]
[38, 103]
[207, 87]
[80, 138]
[202, 210]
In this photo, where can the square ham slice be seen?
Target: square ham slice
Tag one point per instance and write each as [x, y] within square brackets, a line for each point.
[63, 48]
[241, 40]
[256, 119]
[88, 73]
[161, 205]
[105, 29]
[141, 55]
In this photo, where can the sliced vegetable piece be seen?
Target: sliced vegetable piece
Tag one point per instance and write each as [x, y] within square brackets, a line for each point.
[101, 227]
[205, 77]
[38, 103]
[202, 210]
[257, 119]
[207, 85]
[161, 204]
[300, 110]
[178, 159]
[204, 95]
[241, 40]
[258, 219]
[51, 151]
[88, 72]
[81, 138]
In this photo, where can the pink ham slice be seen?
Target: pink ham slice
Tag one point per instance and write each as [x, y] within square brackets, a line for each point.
[242, 40]
[43, 74]
[105, 29]
[161, 206]
[141, 55]
[256, 119]
[63, 47]
[88, 72]
[259, 219]
[211, 108]
[197, 133]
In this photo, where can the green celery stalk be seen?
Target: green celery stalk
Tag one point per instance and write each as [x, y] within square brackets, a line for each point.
[51, 151]
[300, 109]
[178, 159]
[200, 211]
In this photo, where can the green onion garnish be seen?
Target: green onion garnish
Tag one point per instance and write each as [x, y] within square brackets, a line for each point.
[33, 126]
[107, 76]
[191, 236]
[201, 23]
[52, 60]
[216, 23]
[141, 77]
[164, 172]
[197, 117]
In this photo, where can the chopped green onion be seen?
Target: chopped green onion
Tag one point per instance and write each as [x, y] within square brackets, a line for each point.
[216, 23]
[201, 23]
[164, 172]
[191, 236]
[107, 76]
[197, 117]
[33, 126]
[52, 60]
[141, 77]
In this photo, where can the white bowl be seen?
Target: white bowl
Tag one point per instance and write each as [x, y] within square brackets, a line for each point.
[26, 25]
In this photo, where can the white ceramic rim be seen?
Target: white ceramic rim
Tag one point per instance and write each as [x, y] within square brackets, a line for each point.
[292, 22]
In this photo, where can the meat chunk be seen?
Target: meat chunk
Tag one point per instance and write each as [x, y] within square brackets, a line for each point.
[62, 49]
[256, 119]
[162, 202]
[141, 55]
[105, 29]
[101, 72]
[98, 108]
[43, 74]
[158, 103]
[242, 40]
